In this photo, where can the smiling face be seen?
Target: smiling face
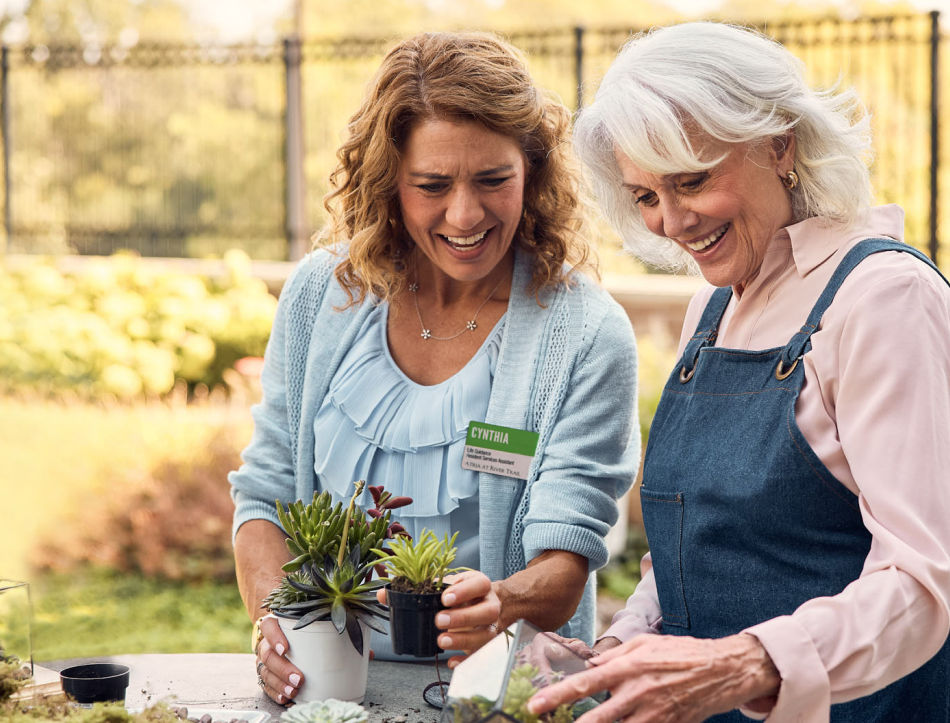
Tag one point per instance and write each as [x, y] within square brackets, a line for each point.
[723, 217]
[461, 188]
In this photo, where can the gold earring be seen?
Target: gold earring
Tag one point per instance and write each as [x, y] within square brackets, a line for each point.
[791, 180]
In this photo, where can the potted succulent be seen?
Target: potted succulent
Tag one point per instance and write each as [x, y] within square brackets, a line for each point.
[328, 589]
[417, 570]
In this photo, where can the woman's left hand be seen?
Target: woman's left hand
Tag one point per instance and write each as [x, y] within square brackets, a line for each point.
[472, 614]
[664, 678]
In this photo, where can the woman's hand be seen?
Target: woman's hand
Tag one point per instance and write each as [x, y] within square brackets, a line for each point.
[668, 679]
[554, 655]
[472, 614]
[278, 677]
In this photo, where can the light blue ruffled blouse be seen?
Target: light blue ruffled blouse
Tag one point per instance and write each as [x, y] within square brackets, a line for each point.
[378, 425]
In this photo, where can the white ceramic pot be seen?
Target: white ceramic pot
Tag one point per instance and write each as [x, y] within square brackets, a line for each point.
[330, 664]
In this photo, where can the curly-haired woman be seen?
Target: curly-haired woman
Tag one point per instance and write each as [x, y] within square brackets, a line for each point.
[450, 288]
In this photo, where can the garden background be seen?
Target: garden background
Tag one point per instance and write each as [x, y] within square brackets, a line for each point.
[136, 129]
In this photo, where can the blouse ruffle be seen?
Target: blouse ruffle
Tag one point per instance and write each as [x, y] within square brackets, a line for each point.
[377, 424]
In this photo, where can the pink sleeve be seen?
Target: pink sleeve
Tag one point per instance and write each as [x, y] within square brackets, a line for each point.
[882, 361]
[641, 613]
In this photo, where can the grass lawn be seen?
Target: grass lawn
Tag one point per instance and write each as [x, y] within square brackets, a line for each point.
[55, 459]
[102, 614]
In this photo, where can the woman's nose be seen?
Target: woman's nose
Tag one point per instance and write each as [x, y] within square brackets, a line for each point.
[678, 219]
[465, 210]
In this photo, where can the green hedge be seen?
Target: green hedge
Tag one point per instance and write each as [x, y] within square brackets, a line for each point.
[124, 330]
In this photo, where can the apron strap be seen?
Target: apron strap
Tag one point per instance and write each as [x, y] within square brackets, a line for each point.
[799, 344]
[707, 329]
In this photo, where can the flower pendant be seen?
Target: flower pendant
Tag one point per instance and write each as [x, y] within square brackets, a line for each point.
[426, 334]
[471, 325]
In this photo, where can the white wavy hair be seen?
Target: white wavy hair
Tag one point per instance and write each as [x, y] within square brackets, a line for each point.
[702, 80]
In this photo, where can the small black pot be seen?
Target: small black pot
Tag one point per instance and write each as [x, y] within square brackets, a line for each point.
[95, 682]
[412, 622]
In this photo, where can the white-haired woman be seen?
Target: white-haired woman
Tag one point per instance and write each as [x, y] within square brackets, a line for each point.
[795, 492]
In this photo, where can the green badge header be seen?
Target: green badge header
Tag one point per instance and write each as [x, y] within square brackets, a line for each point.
[502, 439]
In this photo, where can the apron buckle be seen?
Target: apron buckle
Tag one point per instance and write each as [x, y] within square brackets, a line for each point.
[781, 371]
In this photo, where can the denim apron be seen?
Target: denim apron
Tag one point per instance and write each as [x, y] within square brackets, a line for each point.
[744, 521]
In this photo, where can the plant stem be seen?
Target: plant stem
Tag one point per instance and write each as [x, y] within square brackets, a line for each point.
[360, 484]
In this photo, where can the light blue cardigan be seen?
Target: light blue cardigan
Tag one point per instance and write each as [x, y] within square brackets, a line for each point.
[566, 370]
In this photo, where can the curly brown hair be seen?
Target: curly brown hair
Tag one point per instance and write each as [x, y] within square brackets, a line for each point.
[465, 76]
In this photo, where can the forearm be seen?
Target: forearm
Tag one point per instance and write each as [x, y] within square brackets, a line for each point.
[259, 552]
[546, 593]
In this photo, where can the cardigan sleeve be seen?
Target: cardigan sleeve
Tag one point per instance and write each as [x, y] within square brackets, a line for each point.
[267, 471]
[593, 451]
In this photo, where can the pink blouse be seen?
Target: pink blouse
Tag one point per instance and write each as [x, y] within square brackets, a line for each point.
[875, 407]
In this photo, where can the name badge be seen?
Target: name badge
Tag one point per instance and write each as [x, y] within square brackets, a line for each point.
[499, 450]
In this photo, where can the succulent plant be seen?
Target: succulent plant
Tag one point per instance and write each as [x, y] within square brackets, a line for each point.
[419, 565]
[330, 710]
[522, 685]
[331, 574]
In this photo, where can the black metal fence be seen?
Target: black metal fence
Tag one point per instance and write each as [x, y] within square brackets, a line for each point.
[176, 150]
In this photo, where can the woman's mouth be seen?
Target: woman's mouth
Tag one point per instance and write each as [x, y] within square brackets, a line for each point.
[465, 243]
[706, 242]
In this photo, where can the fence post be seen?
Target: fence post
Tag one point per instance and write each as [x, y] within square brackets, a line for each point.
[5, 132]
[295, 193]
[934, 129]
[579, 65]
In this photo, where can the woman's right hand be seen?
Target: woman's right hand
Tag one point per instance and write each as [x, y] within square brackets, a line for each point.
[277, 676]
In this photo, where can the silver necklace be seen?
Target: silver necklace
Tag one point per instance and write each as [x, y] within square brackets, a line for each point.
[470, 325]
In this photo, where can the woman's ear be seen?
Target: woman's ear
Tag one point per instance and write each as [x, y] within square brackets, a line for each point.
[783, 152]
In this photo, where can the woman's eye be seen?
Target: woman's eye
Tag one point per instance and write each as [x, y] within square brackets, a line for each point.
[431, 187]
[494, 181]
[645, 199]
[692, 183]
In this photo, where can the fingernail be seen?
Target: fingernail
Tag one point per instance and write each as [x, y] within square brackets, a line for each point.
[536, 704]
[452, 664]
[288, 690]
[279, 648]
[294, 679]
[449, 599]
[442, 620]
[445, 642]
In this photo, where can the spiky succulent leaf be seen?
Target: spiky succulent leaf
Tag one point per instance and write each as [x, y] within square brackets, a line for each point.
[317, 615]
[338, 615]
[371, 622]
[355, 632]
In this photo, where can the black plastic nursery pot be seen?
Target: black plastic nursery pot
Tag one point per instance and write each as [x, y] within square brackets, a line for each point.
[412, 622]
[95, 682]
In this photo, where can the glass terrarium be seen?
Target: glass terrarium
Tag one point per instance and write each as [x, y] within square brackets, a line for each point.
[496, 681]
[16, 643]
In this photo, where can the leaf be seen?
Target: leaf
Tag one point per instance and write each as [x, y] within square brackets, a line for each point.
[299, 607]
[338, 615]
[296, 563]
[370, 621]
[355, 632]
[316, 616]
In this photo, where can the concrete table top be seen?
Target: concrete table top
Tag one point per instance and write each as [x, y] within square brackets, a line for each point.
[229, 682]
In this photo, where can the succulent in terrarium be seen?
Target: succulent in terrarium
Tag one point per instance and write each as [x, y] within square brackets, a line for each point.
[525, 680]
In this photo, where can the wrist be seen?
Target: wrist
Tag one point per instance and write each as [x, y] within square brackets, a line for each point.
[765, 679]
[256, 634]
